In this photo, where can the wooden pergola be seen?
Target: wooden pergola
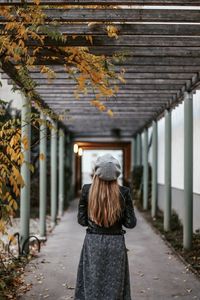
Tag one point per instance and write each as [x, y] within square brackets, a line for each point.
[161, 48]
[160, 43]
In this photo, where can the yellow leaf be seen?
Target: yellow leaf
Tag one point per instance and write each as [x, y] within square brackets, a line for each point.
[90, 24]
[37, 2]
[89, 38]
[110, 112]
[25, 142]
[112, 31]
[42, 156]
[121, 79]
[11, 238]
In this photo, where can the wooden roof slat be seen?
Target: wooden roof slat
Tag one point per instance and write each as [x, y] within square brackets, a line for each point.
[122, 94]
[125, 115]
[157, 60]
[141, 81]
[85, 110]
[123, 41]
[124, 124]
[138, 69]
[126, 105]
[126, 75]
[127, 88]
[124, 15]
[100, 30]
[107, 2]
[144, 51]
[158, 87]
[137, 60]
[191, 52]
[117, 99]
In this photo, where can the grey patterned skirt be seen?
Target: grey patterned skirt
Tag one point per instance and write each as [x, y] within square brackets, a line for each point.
[103, 271]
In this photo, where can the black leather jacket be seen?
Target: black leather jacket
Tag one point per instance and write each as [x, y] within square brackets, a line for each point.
[127, 218]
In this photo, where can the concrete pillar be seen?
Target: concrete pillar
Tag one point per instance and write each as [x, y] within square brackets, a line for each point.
[135, 149]
[134, 152]
[154, 169]
[25, 172]
[188, 171]
[43, 176]
[139, 154]
[73, 170]
[167, 196]
[145, 170]
[61, 172]
[68, 170]
[54, 173]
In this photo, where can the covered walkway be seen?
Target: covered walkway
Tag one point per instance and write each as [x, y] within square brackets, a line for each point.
[133, 63]
[155, 272]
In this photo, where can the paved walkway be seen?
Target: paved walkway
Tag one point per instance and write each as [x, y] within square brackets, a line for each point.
[155, 272]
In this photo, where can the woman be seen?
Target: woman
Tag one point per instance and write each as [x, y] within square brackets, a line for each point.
[104, 206]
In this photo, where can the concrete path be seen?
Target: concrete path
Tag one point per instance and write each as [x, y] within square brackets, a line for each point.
[155, 272]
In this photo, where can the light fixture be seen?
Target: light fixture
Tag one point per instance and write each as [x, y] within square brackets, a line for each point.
[80, 151]
[75, 148]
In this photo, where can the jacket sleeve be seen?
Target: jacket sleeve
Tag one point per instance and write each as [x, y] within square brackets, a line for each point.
[129, 219]
[82, 208]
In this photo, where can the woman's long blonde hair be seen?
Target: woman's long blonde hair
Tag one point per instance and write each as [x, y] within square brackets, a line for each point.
[104, 202]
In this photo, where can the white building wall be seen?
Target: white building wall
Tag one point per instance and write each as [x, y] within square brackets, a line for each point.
[8, 95]
[196, 144]
[161, 149]
[150, 150]
[178, 146]
[178, 160]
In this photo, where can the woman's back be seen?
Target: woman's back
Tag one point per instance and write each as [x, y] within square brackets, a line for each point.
[104, 207]
[126, 219]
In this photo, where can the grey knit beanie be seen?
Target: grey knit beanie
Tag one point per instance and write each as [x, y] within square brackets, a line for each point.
[107, 167]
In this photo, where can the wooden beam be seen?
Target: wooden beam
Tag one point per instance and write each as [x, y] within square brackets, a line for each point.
[120, 95]
[132, 51]
[158, 87]
[134, 105]
[91, 110]
[132, 81]
[136, 61]
[99, 29]
[122, 88]
[123, 15]
[157, 60]
[106, 2]
[126, 75]
[125, 41]
[105, 122]
[137, 69]
[105, 128]
[98, 128]
[117, 116]
[124, 105]
[125, 100]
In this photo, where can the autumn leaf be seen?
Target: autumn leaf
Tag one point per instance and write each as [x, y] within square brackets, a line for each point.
[110, 113]
[25, 143]
[89, 38]
[112, 31]
[42, 156]
[37, 2]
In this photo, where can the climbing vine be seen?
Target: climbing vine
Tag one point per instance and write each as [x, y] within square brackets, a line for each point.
[23, 35]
